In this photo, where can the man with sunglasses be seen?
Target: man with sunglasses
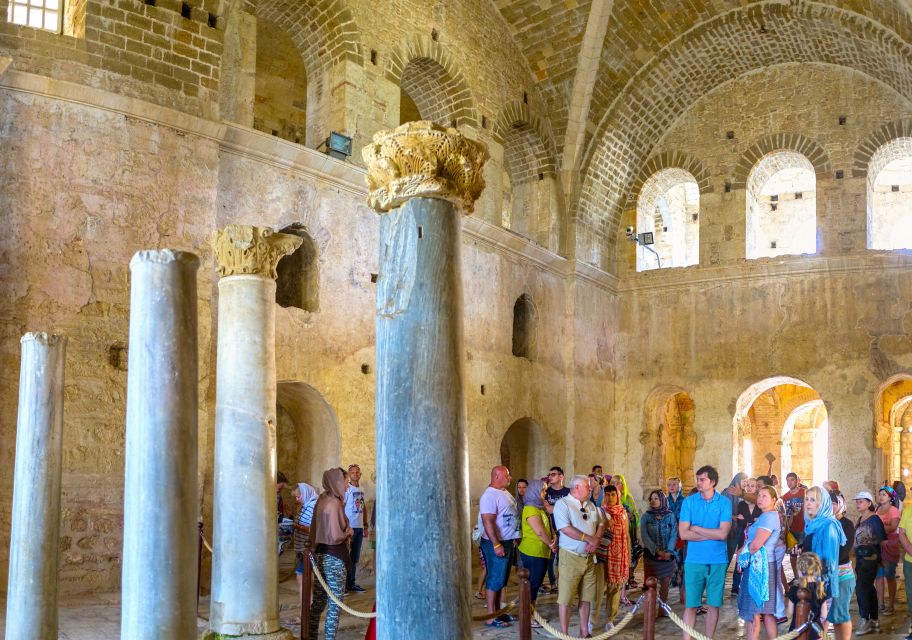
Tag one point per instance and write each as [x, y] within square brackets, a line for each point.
[555, 491]
[580, 526]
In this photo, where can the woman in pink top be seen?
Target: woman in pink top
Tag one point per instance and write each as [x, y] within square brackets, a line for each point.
[889, 548]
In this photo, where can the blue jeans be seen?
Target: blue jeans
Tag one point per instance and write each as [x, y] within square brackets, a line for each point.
[537, 568]
[356, 541]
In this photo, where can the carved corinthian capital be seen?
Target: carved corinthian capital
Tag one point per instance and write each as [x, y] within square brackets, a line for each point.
[423, 159]
[242, 249]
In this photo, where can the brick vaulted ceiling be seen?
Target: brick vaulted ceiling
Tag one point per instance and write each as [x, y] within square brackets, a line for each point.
[658, 57]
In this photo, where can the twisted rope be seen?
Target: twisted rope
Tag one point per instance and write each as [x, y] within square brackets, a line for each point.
[332, 596]
[507, 608]
[602, 636]
[696, 635]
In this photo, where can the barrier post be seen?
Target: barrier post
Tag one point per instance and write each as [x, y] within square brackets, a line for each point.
[525, 605]
[306, 591]
[803, 612]
[199, 564]
[650, 606]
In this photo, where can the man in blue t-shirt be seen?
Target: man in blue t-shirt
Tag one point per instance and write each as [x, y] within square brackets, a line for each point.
[704, 524]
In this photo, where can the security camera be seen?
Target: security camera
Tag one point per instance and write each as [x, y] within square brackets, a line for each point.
[629, 231]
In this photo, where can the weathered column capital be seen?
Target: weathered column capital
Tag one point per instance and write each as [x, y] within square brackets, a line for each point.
[422, 159]
[247, 250]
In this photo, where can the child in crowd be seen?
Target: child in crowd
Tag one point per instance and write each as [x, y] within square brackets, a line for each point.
[809, 570]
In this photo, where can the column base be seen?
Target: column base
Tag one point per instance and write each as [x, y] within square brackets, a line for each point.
[281, 634]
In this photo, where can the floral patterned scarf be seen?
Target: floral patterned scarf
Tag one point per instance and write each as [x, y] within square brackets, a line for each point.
[617, 557]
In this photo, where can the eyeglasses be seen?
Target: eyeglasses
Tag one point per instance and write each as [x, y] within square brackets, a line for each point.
[553, 473]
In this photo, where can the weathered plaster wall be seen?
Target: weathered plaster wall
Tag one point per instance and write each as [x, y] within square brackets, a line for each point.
[83, 189]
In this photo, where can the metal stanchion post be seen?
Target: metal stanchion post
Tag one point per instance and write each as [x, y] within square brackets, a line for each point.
[306, 592]
[525, 605]
[199, 565]
[650, 606]
[803, 612]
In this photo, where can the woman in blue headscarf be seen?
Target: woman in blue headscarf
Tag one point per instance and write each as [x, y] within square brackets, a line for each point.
[824, 536]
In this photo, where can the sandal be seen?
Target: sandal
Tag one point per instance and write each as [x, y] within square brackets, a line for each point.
[498, 623]
[536, 624]
[478, 595]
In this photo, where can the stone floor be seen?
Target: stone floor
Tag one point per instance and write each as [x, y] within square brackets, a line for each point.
[98, 617]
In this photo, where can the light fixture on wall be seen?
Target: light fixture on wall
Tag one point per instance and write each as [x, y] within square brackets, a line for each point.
[338, 146]
[645, 240]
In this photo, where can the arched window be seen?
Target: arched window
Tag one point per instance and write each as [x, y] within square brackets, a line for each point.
[524, 328]
[668, 207]
[298, 281]
[890, 196]
[427, 85]
[781, 206]
[280, 107]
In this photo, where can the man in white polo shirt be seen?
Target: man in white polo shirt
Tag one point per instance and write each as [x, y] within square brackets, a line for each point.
[580, 525]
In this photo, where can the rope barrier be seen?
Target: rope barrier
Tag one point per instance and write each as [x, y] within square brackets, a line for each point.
[602, 636]
[332, 596]
[696, 635]
[490, 616]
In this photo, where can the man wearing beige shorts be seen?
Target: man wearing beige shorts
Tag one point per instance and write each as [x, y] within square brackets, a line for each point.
[580, 524]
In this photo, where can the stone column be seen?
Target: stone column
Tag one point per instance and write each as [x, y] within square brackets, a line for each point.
[31, 606]
[161, 497]
[424, 177]
[245, 540]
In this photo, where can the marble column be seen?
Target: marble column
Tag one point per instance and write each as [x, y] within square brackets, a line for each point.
[161, 497]
[423, 178]
[31, 605]
[245, 540]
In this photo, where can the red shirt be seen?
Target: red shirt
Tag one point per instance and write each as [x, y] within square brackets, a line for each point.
[794, 509]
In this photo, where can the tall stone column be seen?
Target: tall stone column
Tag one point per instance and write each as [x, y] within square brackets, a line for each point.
[245, 540]
[31, 606]
[423, 177]
[161, 496]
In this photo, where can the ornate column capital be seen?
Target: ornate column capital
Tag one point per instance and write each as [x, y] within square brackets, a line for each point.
[422, 159]
[243, 249]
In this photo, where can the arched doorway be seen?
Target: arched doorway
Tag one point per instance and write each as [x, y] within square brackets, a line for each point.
[892, 423]
[526, 450]
[307, 433]
[668, 438]
[781, 426]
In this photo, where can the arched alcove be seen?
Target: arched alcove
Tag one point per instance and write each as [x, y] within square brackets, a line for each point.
[890, 196]
[781, 211]
[668, 438]
[526, 450]
[280, 102]
[528, 185]
[892, 419]
[668, 207]
[524, 328]
[785, 418]
[430, 88]
[298, 274]
[307, 433]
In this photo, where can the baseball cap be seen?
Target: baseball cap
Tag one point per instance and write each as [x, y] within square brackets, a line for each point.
[864, 495]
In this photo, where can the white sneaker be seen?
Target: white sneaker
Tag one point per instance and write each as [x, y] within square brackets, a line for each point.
[864, 628]
[609, 626]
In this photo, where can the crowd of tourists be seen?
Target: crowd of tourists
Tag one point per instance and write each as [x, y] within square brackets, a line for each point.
[587, 538]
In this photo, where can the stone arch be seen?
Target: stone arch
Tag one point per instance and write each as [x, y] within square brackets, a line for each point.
[861, 161]
[307, 432]
[781, 205]
[772, 143]
[435, 83]
[668, 438]
[711, 53]
[298, 274]
[532, 125]
[670, 160]
[525, 449]
[891, 400]
[668, 206]
[525, 325]
[889, 190]
[759, 423]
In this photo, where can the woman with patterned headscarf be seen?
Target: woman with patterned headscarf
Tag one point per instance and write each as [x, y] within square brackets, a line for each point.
[633, 518]
[659, 533]
[330, 533]
[614, 550]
